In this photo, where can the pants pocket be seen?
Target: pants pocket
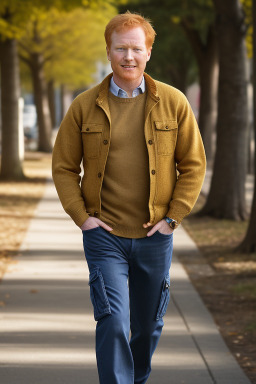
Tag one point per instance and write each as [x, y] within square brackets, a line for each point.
[164, 298]
[98, 294]
[164, 234]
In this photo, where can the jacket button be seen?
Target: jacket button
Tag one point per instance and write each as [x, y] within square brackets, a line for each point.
[95, 213]
[150, 142]
[87, 129]
[166, 127]
[153, 172]
[99, 174]
[105, 142]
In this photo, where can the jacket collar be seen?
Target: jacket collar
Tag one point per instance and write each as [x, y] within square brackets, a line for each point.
[104, 88]
[151, 87]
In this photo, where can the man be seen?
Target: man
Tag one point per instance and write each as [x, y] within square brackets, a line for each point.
[144, 165]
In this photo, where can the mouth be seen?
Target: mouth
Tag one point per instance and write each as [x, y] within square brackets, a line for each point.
[128, 66]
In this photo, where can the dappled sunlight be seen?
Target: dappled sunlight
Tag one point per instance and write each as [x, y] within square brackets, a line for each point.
[38, 270]
[178, 359]
[24, 322]
[25, 354]
[174, 326]
[238, 266]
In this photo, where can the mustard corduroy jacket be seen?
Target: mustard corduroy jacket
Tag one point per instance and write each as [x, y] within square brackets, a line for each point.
[175, 149]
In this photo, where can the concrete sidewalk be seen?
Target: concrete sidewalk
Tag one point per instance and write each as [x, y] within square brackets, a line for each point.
[47, 327]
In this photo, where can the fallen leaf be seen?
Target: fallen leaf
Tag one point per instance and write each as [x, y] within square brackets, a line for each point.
[33, 291]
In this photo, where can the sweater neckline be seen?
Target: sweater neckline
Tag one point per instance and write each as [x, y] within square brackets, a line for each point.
[126, 99]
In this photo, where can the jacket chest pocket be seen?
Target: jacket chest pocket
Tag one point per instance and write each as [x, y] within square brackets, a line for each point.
[166, 135]
[91, 137]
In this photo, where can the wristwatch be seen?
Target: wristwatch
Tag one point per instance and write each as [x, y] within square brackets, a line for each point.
[173, 223]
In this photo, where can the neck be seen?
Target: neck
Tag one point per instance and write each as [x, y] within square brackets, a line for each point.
[128, 87]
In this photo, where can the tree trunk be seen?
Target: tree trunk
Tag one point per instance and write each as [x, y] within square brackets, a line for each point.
[51, 101]
[178, 78]
[250, 157]
[207, 59]
[209, 71]
[11, 165]
[41, 102]
[249, 243]
[226, 198]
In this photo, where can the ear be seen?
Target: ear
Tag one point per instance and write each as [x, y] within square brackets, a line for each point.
[108, 53]
[149, 50]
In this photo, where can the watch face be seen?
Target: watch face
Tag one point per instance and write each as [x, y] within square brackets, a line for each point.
[173, 224]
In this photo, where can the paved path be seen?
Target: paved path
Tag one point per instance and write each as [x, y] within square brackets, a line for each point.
[47, 328]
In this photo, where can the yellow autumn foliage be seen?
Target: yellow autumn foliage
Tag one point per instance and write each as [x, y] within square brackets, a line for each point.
[71, 42]
[247, 6]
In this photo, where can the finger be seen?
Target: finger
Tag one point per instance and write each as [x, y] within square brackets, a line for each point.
[146, 225]
[102, 224]
[153, 230]
[150, 233]
[105, 226]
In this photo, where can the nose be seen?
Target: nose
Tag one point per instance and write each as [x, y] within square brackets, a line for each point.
[129, 55]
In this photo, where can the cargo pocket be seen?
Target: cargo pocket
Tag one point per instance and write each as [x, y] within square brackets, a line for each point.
[98, 294]
[164, 299]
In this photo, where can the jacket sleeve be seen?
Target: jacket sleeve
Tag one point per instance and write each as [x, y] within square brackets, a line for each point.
[66, 165]
[190, 161]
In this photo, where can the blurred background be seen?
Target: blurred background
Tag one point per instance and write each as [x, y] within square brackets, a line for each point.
[50, 51]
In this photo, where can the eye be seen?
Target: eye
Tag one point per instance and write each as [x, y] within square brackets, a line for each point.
[137, 49]
[120, 49]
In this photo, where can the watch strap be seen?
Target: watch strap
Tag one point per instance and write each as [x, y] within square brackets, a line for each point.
[172, 223]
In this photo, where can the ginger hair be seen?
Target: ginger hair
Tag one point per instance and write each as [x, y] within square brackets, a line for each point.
[128, 20]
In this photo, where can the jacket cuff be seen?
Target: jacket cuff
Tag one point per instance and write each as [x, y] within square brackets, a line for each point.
[79, 217]
[175, 215]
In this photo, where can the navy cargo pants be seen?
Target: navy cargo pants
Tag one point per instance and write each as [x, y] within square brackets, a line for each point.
[129, 289]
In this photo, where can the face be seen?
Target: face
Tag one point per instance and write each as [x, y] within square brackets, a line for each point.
[128, 55]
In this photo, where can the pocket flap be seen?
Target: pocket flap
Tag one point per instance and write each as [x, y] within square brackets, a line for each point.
[93, 275]
[164, 298]
[98, 294]
[166, 125]
[167, 281]
[92, 128]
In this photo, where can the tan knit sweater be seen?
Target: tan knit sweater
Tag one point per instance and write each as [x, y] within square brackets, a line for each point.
[125, 190]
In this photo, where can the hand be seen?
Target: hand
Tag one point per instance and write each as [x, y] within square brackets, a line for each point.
[93, 222]
[162, 226]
